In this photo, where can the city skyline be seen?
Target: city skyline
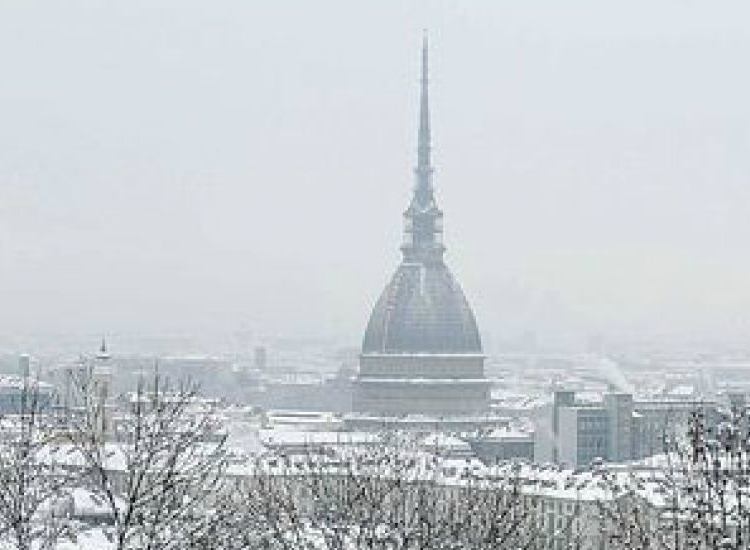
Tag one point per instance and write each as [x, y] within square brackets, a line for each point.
[386, 275]
[594, 178]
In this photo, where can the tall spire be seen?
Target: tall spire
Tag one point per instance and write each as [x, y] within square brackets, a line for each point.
[103, 352]
[423, 220]
[423, 148]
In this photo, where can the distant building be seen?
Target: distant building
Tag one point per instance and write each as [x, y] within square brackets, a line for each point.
[260, 358]
[101, 377]
[305, 443]
[737, 400]
[616, 429]
[504, 444]
[583, 434]
[19, 393]
[422, 352]
[656, 419]
[212, 374]
[444, 445]
[86, 379]
[561, 399]
[70, 378]
[619, 407]
[332, 394]
[24, 365]
[102, 372]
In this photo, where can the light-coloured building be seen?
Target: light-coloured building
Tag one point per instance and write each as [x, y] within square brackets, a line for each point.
[615, 429]
[583, 434]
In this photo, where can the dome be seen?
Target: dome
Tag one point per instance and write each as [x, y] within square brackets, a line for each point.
[422, 310]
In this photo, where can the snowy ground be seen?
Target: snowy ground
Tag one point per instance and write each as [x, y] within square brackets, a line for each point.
[92, 539]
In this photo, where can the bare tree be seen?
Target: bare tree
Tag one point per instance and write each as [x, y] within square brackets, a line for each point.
[30, 480]
[715, 469]
[159, 469]
[699, 496]
[385, 500]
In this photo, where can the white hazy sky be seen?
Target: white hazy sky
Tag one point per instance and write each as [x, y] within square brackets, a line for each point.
[192, 165]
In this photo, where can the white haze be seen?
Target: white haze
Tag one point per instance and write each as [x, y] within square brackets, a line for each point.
[198, 166]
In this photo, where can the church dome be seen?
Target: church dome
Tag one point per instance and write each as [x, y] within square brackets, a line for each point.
[422, 310]
[421, 352]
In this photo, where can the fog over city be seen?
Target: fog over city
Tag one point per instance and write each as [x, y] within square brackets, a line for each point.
[208, 167]
[385, 275]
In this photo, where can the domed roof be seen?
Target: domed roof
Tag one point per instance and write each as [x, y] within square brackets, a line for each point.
[422, 310]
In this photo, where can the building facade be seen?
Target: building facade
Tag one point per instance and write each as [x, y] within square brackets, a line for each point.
[583, 434]
[617, 429]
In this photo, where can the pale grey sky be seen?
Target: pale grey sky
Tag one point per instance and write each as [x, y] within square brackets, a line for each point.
[192, 165]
